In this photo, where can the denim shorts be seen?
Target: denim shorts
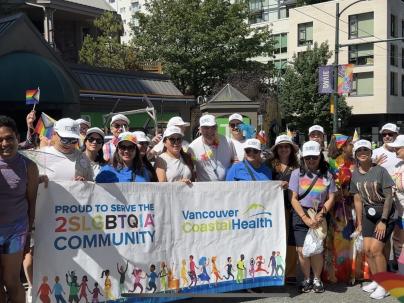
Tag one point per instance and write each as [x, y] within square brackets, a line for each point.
[13, 236]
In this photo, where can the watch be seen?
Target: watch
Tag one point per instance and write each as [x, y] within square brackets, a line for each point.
[384, 220]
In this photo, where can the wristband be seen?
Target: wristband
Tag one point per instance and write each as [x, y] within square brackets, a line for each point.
[304, 215]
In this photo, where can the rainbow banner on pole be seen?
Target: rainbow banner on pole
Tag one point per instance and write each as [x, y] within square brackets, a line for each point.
[345, 76]
[44, 126]
[32, 96]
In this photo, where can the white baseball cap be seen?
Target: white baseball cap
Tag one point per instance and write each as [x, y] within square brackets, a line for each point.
[316, 128]
[399, 142]
[141, 136]
[95, 130]
[119, 117]
[67, 128]
[361, 143]
[82, 121]
[282, 139]
[177, 121]
[311, 148]
[390, 127]
[171, 131]
[252, 143]
[207, 120]
[236, 117]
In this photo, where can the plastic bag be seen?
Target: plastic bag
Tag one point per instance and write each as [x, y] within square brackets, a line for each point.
[313, 244]
[358, 241]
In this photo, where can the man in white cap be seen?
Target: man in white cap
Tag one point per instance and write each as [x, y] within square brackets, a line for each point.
[119, 124]
[174, 121]
[69, 163]
[212, 153]
[83, 126]
[385, 155]
[237, 137]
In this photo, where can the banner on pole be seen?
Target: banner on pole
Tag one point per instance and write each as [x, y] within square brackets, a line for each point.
[345, 76]
[325, 79]
[128, 238]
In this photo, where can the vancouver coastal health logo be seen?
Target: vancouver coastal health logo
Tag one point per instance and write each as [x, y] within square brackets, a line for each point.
[255, 216]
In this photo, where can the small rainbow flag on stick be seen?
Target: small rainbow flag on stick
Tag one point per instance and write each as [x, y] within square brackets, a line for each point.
[393, 283]
[44, 126]
[32, 96]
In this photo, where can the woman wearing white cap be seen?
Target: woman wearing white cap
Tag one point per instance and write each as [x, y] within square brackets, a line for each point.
[251, 168]
[284, 161]
[126, 164]
[174, 164]
[92, 147]
[312, 188]
[143, 143]
[398, 177]
[372, 188]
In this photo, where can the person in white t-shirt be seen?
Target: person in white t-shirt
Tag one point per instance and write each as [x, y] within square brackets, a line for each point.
[212, 153]
[385, 155]
[68, 163]
[174, 121]
[237, 137]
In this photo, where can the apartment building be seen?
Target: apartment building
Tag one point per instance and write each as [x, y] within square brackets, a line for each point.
[378, 86]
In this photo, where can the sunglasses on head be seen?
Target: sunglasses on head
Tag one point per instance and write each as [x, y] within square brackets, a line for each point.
[97, 140]
[311, 157]
[388, 134]
[177, 140]
[118, 126]
[68, 141]
[130, 147]
[252, 150]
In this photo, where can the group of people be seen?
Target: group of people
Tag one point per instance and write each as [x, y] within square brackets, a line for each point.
[349, 188]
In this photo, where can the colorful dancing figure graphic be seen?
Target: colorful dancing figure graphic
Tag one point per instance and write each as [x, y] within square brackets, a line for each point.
[73, 287]
[122, 273]
[44, 291]
[84, 288]
[152, 279]
[58, 291]
[229, 269]
[240, 269]
[163, 276]
[183, 273]
[215, 271]
[107, 285]
[279, 264]
[137, 274]
[203, 276]
[96, 292]
[192, 271]
[272, 263]
[260, 261]
[251, 270]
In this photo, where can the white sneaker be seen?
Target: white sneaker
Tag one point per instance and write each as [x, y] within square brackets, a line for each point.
[371, 287]
[379, 293]
[29, 295]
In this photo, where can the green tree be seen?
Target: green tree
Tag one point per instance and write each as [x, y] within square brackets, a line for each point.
[199, 42]
[105, 49]
[301, 104]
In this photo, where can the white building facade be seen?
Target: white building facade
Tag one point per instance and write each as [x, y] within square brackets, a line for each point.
[378, 86]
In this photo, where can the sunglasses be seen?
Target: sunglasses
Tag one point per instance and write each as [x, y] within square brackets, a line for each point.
[177, 140]
[311, 158]
[118, 126]
[388, 134]
[68, 141]
[131, 147]
[97, 140]
[234, 125]
[252, 150]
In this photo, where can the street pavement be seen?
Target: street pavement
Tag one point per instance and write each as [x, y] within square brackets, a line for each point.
[337, 293]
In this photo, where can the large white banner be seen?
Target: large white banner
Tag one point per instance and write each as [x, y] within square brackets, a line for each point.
[97, 242]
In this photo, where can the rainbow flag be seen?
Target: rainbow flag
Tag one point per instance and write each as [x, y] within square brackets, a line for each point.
[262, 137]
[393, 283]
[32, 96]
[44, 126]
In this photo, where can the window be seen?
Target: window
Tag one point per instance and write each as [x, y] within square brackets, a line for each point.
[305, 34]
[393, 83]
[280, 64]
[361, 25]
[361, 54]
[362, 84]
[281, 43]
[402, 85]
[255, 5]
[111, 1]
[135, 6]
[122, 10]
[393, 26]
[393, 55]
